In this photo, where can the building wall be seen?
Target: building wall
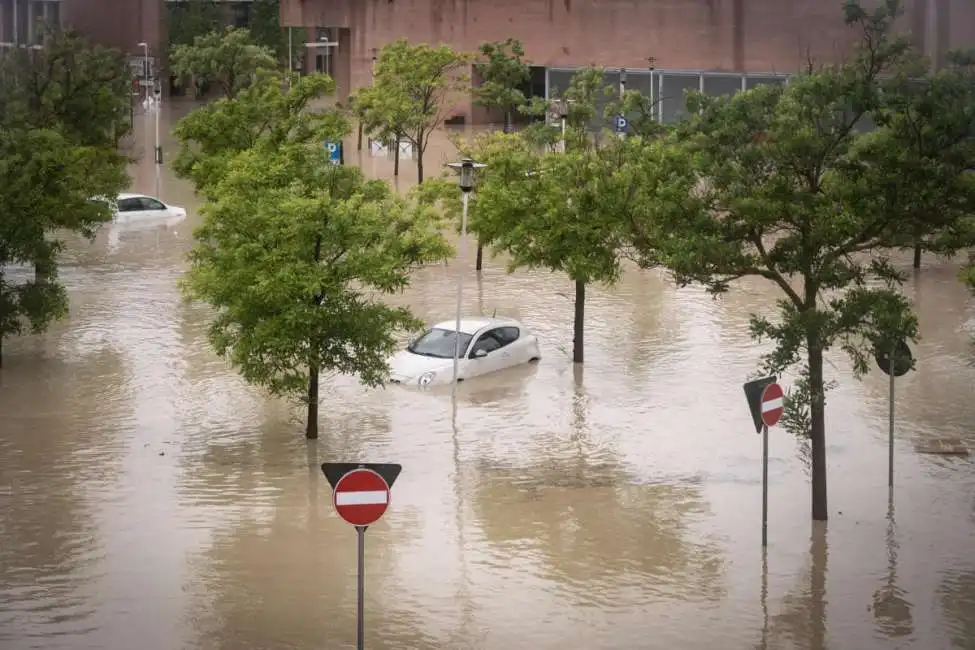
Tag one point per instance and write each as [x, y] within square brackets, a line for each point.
[121, 24]
[778, 36]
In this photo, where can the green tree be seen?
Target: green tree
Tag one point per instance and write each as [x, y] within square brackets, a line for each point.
[502, 71]
[229, 58]
[968, 272]
[62, 112]
[265, 26]
[563, 210]
[776, 182]
[409, 93]
[212, 135]
[295, 254]
[190, 19]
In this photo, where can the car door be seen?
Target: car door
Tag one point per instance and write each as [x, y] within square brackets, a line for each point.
[490, 343]
[129, 209]
[153, 209]
[514, 350]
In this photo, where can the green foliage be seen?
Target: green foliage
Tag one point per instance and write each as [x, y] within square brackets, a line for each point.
[62, 112]
[265, 27]
[267, 110]
[190, 19]
[84, 89]
[408, 97]
[229, 59]
[296, 254]
[968, 272]
[578, 104]
[503, 72]
[776, 182]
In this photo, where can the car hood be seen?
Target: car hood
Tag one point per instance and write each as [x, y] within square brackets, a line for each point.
[406, 365]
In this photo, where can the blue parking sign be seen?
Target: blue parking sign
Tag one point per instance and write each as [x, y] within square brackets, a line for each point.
[621, 124]
[334, 152]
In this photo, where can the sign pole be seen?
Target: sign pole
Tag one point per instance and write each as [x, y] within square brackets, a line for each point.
[361, 589]
[890, 432]
[765, 486]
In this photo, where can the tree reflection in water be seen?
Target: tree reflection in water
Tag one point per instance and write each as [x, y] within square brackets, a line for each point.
[801, 622]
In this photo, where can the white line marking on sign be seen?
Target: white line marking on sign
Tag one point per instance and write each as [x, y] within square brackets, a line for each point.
[772, 404]
[374, 498]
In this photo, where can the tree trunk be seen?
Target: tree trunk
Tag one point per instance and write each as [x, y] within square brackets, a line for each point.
[1, 350]
[396, 157]
[479, 262]
[817, 433]
[580, 319]
[359, 143]
[419, 165]
[311, 426]
[917, 254]
[506, 127]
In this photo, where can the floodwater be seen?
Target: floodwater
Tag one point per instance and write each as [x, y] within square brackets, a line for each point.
[150, 499]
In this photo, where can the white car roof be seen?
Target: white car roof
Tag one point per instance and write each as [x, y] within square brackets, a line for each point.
[473, 325]
[126, 195]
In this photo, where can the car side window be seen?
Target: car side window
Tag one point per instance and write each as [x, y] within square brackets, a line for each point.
[151, 204]
[488, 342]
[508, 335]
[129, 205]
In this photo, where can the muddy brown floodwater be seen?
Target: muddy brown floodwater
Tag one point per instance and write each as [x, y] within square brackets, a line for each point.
[151, 500]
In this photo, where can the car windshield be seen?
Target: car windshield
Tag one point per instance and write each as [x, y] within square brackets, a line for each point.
[439, 343]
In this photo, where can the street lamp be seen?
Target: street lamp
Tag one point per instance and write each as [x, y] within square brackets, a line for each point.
[154, 103]
[145, 65]
[467, 169]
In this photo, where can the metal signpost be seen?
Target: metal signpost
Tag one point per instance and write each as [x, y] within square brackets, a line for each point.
[360, 495]
[334, 152]
[895, 360]
[766, 400]
[621, 125]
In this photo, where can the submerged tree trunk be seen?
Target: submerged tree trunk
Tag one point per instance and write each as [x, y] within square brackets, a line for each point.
[580, 319]
[917, 254]
[396, 156]
[817, 433]
[311, 426]
[1, 350]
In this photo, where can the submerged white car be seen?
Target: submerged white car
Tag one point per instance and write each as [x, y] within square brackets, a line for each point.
[486, 345]
[130, 208]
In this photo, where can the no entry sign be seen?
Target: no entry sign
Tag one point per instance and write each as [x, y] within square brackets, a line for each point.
[772, 404]
[361, 497]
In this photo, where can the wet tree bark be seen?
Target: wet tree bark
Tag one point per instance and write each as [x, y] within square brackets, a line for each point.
[311, 426]
[396, 156]
[359, 142]
[479, 262]
[579, 324]
[917, 254]
[418, 152]
[817, 433]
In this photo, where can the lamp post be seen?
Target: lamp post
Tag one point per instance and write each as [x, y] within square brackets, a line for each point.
[467, 168]
[145, 67]
[154, 104]
[622, 94]
[561, 107]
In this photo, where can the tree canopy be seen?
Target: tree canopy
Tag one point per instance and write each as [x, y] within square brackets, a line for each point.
[409, 95]
[230, 59]
[212, 135]
[777, 182]
[62, 112]
[502, 71]
[295, 254]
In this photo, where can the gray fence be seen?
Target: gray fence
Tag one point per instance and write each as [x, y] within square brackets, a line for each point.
[668, 86]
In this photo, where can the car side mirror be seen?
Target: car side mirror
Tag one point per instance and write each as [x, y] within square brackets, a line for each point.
[480, 354]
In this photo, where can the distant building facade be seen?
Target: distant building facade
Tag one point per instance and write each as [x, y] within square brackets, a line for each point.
[716, 46]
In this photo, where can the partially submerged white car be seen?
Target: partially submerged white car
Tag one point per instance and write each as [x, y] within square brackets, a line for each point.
[130, 208]
[486, 345]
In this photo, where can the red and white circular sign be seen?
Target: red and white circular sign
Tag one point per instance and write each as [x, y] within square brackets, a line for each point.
[361, 497]
[772, 404]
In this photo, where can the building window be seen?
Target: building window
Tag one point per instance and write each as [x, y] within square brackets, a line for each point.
[6, 21]
[242, 14]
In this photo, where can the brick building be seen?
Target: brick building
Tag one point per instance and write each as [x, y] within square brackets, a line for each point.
[713, 45]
